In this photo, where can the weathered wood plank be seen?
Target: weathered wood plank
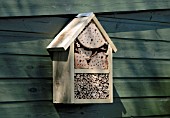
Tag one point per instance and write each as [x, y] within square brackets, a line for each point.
[25, 66]
[7, 36]
[120, 108]
[128, 47]
[140, 68]
[12, 90]
[141, 87]
[53, 24]
[155, 35]
[34, 66]
[114, 25]
[144, 107]
[47, 25]
[145, 49]
[62, 78]
[24, 45]
[28, 110]
[52, 7]
[152, 16]
[25, 89]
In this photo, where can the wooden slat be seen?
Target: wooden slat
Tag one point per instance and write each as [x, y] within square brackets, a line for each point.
[110, 67]
[149, 107]
[6, 36]
[32, 66]
[26, 46]
[15, 90]
[145, 49]
[28, 110]
[37, 7]
[53, 24]
[47, 25]
[120, 108]
[152, 16]
[62, 77]
[128, 48]
[71, 68]
[141, 87]
[141, 68]
[25, 89]
[92, 101]
[25, 66]
[90, 71]
[155, 35]
[114, 25]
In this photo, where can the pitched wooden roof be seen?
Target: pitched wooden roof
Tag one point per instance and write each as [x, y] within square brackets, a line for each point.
[64, 39]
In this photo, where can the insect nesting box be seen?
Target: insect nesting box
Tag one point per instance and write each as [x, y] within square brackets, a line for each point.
[82, 62]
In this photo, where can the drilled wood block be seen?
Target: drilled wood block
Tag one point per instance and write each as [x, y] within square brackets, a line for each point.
[87, 55]
[91, 37]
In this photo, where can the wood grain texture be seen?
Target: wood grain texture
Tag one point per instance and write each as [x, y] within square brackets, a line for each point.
[70, 32]
[24, 46]
[142, 39]
[154, 35]
[152, 15]
[28, 110]
[139, 88]
[52, 7]
[132, 47]
[142, 87]
[23, 89]
[140, 68]
[12, 66]
[115, 25]
[120, 108]
[46, 25]
[31, 66]
[62, 76]
[144, 49]
[148, 107]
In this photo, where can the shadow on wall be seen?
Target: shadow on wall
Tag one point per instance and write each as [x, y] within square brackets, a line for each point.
[113, 110]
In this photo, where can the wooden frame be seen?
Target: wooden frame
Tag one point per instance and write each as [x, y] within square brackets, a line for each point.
[63, 50]
[109, 71]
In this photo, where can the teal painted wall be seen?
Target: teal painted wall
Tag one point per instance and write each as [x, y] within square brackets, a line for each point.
[141, 67]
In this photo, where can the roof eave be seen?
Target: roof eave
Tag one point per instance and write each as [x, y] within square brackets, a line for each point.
[71, 31]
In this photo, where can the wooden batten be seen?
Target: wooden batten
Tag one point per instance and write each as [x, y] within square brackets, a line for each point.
[61, 77]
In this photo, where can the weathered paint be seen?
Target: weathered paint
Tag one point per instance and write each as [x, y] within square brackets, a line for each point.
[53, 7]
[141, 67]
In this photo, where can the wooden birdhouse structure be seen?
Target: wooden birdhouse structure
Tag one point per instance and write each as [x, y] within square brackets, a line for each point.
[82, 62]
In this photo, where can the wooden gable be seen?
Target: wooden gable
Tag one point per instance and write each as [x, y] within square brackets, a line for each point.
[64, 39]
